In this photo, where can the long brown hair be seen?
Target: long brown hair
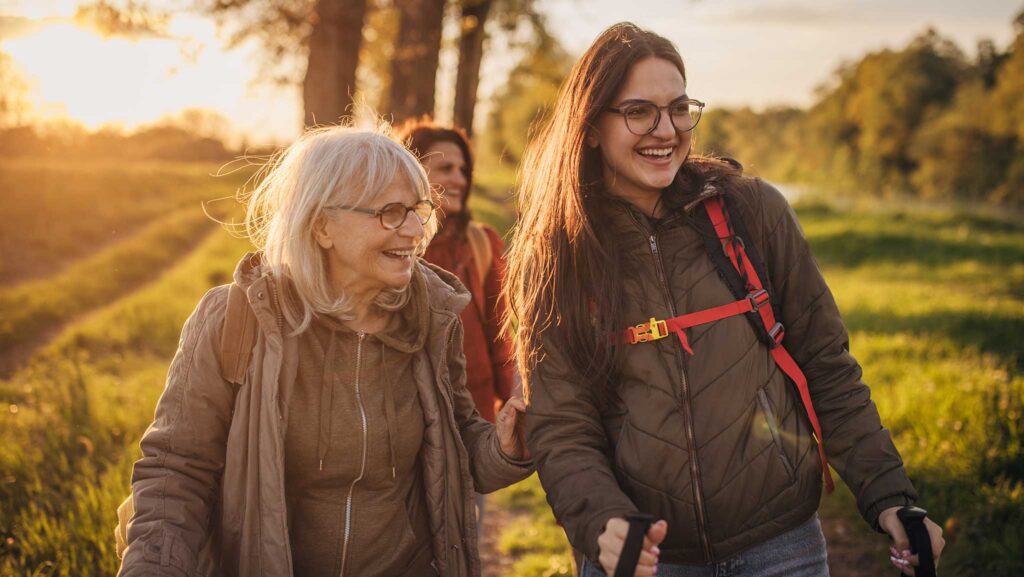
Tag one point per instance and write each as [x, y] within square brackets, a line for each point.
[419, 135]
[563, 283]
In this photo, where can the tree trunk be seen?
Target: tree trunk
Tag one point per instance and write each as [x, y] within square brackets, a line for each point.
[471, 52]
[334, 44]
[414, 68]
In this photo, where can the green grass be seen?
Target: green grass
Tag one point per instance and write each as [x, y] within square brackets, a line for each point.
[935, 307]
[934, 300]
[73, 418]
[58, 212]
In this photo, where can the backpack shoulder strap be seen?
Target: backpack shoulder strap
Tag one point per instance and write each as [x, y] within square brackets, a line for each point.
[480, 245]
[238, 336]
[740, 267]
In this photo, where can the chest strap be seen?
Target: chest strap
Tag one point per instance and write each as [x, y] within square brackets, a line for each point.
[757, 301]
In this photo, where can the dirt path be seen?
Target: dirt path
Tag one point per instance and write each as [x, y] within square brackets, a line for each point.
[18, 355]
[852, 553]
[496, 519]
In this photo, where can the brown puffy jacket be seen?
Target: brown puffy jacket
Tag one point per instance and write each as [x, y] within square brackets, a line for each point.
[209, 492]
[715, 443]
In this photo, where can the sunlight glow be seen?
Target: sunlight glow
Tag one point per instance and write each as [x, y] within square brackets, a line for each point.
[96, 81]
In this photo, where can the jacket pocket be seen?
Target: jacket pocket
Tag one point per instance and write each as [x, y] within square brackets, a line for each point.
[773, 426]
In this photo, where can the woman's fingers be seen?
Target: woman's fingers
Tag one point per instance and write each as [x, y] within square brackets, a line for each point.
[613, 538]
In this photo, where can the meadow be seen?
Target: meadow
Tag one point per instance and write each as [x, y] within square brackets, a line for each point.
[933, 298]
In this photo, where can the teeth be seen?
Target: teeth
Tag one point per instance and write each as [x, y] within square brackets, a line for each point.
[656, 152]
[401, 253]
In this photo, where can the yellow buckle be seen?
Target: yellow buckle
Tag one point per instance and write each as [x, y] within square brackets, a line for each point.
[646, 332]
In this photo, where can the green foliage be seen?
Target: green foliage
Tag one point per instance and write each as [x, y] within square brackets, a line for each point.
[525, 100]
[535, 540]
[920, 121]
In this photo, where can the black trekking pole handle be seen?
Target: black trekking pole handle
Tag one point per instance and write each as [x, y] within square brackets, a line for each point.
[639, 523]
[920, 542]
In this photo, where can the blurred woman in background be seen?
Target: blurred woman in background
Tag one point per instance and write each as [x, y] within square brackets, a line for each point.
[475, 253]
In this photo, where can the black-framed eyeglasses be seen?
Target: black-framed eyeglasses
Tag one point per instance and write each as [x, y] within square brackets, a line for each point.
[643, 116]
[392, 215]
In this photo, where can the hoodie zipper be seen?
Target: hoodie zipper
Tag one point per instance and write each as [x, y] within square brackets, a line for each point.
[698, 492]
[362, 466]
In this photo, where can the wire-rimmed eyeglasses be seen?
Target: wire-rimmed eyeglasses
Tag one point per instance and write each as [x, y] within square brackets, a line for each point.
[643, 116]
[392, 215]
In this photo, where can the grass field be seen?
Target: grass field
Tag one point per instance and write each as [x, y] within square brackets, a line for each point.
[934, 300]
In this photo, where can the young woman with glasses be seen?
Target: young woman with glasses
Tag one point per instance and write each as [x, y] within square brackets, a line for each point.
[350, 446]
[704, 431]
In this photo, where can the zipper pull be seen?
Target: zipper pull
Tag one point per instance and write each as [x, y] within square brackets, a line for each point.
[654, 243]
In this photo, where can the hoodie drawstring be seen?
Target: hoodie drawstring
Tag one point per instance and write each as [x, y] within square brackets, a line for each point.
[389, 406]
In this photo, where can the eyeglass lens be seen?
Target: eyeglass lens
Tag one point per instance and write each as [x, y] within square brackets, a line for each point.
[642, 118]
[393, 215]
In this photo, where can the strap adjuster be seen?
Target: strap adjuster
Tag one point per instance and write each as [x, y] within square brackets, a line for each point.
[757, 298]
[734, 240]
[776, 333]
[652, 330]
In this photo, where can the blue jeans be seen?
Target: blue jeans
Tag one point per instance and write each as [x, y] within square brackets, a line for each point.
[796, 553]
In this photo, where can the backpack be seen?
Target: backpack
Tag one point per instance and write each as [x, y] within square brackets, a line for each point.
[743, 270]
[238, 338]
[483, 258]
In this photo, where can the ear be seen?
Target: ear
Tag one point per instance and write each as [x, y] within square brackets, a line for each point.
[320, 232]
[591, 138]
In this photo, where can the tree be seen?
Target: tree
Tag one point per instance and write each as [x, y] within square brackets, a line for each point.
[414, 65]
[476, 18]
[472, 18]
[334, 41]
[527, 97]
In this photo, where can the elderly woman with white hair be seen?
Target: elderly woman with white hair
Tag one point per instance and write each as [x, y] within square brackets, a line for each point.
[338, 438]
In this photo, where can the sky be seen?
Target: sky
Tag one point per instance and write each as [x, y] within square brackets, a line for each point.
[738, 53]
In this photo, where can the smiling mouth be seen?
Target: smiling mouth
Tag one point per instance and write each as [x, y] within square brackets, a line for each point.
[401, 254]
[656, 153]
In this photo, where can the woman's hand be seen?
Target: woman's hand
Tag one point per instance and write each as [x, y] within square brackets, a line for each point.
[614, 537]
[511, 432]
[900, 550]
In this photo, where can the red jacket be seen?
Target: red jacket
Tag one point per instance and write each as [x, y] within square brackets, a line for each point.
[489, 366]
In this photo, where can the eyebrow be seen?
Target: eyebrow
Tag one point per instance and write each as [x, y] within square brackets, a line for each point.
[642, 101]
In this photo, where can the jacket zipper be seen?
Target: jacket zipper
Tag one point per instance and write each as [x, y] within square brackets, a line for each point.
[362, 466]
[698, 492]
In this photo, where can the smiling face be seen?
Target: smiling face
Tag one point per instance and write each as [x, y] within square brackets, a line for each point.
[362, 256]
[446, 168]
[637, 168]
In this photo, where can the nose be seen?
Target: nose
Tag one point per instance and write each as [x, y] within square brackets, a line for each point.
[456, 183]
[412, 228]
[664, 129]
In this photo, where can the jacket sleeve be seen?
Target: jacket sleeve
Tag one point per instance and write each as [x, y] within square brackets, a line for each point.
[175, 485]
[491, 469]
[858, 446]
[500, 348]
[567, 439]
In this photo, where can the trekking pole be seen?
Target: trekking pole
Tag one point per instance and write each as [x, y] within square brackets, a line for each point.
[920, 542]
[639, 523]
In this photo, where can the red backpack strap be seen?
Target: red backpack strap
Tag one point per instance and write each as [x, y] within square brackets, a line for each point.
[735, 250]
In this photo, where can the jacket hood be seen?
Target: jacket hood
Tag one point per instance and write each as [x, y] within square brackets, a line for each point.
[441, 291]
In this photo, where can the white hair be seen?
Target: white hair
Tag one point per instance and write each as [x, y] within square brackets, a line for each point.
[325, 167]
